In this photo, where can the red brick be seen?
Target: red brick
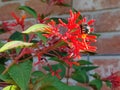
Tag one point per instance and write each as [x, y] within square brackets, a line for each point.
[109, 45]
[107, 65]
[92, 5]
[43, 8]
[107, 21]
[5, 11]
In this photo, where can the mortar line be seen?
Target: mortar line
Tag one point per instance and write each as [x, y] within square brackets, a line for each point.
[101, 11]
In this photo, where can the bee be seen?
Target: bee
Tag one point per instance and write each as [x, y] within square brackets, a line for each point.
[85, 28]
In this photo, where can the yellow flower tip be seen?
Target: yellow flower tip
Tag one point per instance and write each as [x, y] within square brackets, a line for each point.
[84, 36]
[70, 44]
[76, 63]
[24, 16]
[48, 29]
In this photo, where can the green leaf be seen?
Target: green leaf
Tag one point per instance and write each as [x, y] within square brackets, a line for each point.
[29, 10]
[108, 83]
[49, 87]
[89, 52]
[80, 76]
[18, 50]
[84, 62]
[2, 31]
[95, 75]
[45, 82]
[64, 4]
[44, 1]
[61, 43]
[18, 36]
[3, 60]
[14, 44]
[56, 67]
[56, 59]
[74, 10]
[43, 28]
[84, 68]
[37, 75]
[55, 84]
[76, 88]
[88, 68]
[96, 34]
[6, 77]
[97, 84]
[43, 38]
[21, 74]
[2, 68]
[1, 44]
[80, 17]
[65, 88]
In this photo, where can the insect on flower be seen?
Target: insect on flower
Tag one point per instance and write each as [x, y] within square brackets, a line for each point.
[85, 29]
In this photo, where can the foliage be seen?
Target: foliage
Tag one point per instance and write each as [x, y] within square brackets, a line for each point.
[48, 43]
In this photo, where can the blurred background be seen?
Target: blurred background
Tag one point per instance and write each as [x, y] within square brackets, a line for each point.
[105, 12]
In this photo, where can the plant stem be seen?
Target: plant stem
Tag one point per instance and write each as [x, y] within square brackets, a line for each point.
[4, 84]
[68, 76]
[42, 52]
[14, 61]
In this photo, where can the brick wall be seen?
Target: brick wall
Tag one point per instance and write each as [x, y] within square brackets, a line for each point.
[107, 16]
[9, 6]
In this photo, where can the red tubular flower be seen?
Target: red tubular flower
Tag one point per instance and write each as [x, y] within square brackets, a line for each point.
[39, 59]
[42, 20]
[54, 29]
[114, 78]
[77, 39]
[71, 63]
[8, 26]
[15, 17]
[19, 21]
[26, 51]
[56, 73]
[72, 21]
[22, 20]
[68, 61]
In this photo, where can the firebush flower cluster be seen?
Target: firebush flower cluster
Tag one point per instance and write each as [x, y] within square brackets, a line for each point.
[77, 36]
[71, 38]
[9, 26]
[60, 40]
